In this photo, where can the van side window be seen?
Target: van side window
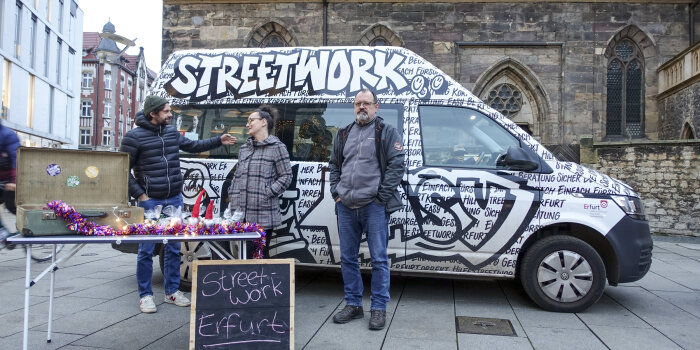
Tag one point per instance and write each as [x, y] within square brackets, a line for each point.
[307, 129]
[462, 137]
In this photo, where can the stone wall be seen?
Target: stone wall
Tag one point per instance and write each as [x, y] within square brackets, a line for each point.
[666, 174]
[678, 108]
[474, 42]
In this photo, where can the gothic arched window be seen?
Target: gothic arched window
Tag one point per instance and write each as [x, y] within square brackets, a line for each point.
[273, 40]
[625, 97]
[506, 99]
[378, 41]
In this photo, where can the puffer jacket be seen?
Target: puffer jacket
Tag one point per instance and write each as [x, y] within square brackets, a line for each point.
[390, 155]
[8, 152]
[154, 157]
[262, 174]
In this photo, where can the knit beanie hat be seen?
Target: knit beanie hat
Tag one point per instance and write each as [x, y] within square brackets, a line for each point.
[151, 103]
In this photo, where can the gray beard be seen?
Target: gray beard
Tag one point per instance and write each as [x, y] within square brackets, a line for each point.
[361, 118]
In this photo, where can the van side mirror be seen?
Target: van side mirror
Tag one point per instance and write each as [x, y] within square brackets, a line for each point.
[518, 159]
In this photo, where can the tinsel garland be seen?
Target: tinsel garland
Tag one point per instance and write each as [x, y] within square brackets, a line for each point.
[76, 222]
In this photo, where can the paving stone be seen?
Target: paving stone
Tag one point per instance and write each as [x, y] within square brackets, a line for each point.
[394, 343]
[558, 338]
[179, 339]
[687, 337]
[607, 312]
[131, 332]
[546, 319]
[654, 281]
[689, 302]
[490, 342]
[636, 338]
[37, 340]
[651, 308]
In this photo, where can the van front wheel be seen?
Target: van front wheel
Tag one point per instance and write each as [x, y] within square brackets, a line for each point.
[563, 274]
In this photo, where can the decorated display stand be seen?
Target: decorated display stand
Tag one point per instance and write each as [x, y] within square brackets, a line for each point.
[96, 184]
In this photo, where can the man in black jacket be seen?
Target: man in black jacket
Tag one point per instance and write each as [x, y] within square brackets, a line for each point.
[367, 165]
[154, 156]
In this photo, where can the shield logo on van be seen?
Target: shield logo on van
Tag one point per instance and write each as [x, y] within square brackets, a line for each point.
[472, 219]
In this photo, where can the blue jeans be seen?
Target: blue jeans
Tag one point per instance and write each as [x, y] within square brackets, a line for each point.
[171, 264]
[373, 220]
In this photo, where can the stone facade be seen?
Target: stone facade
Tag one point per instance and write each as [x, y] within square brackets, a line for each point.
[556, 53]
[666, 174]
[680, 111]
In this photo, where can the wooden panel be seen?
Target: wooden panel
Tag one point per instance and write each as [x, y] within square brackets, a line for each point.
[107, 187]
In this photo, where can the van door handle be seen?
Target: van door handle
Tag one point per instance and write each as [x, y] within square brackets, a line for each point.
[429, 176]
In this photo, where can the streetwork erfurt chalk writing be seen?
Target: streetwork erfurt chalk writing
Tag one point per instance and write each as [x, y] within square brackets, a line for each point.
[233, 324]
[242, 287]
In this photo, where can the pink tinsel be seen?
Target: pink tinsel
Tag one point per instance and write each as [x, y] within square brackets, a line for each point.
[76, 222]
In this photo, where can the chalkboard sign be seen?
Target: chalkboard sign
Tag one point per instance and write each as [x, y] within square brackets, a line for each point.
[242, 304]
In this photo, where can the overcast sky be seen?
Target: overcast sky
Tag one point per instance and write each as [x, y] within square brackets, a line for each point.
[141, 19]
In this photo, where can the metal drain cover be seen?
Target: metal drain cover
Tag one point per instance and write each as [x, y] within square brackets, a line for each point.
[483, 325]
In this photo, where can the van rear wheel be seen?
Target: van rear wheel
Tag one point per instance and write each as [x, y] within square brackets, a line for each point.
[563, 274]
[191, 251]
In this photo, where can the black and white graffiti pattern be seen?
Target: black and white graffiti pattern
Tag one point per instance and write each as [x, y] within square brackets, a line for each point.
[453, 221]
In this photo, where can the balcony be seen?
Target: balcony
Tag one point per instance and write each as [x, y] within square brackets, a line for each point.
[679, 72]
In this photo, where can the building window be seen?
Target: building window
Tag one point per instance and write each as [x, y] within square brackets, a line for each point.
[32, 42]
[106, 137]
[506, 99]
[625, 96]
[47, 46]
[6, 84]
[59, 48]
[108, 81]
[85, 137]
[273, 40]
[69, 75]
[60, 16]
[378, 41]
[108, 109]
[71, 21]
[18, 29]
[30, 102]
[86, 111]
[87, 80]
[108, 94]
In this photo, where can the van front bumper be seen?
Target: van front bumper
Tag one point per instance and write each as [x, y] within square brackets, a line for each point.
[632, 243]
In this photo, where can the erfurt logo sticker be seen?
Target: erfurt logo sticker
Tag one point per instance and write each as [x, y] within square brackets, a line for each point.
[201, 76]
[595, 210]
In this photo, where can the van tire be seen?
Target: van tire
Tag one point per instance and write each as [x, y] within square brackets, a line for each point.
[549, 262]
[190, 251]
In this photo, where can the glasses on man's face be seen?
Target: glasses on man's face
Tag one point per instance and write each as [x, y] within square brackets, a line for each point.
[364, 104]
[250, 120]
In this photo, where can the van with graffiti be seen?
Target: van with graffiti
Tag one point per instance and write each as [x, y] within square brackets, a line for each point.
[481, 197]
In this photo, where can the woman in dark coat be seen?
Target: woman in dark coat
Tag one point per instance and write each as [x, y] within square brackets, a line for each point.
[263, 173]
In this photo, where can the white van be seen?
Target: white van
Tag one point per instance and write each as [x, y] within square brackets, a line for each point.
[482, 198]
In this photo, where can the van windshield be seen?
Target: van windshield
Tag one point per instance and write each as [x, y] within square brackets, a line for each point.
[307, 129]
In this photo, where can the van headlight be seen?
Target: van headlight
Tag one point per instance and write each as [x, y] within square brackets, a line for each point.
[632, 206]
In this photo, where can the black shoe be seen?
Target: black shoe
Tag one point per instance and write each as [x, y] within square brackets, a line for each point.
[377, 319]
[348, 313]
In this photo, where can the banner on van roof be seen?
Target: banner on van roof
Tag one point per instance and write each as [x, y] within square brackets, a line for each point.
[222, 76]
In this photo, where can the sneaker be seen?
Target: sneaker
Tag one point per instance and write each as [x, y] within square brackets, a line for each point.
[377, 319]
[177, 298]
[348, 313]
[147, 304]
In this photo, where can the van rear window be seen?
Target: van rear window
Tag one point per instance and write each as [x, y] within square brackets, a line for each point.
[307, 129]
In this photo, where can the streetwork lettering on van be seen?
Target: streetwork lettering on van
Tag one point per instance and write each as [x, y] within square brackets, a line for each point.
[201, 76]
